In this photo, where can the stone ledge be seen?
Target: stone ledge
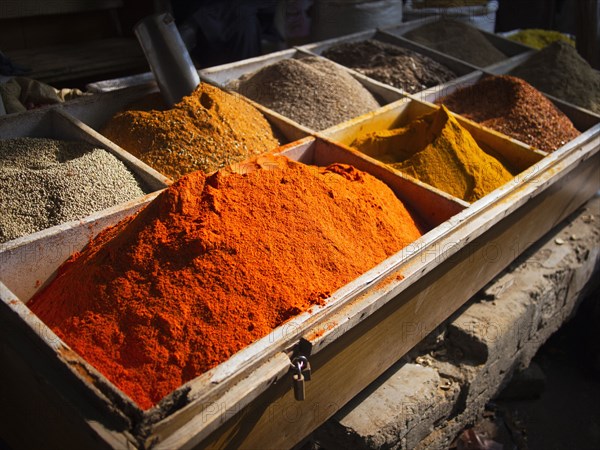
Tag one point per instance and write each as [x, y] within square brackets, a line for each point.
[444, 383]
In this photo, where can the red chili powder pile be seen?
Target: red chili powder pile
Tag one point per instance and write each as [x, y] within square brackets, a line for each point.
[215, 263]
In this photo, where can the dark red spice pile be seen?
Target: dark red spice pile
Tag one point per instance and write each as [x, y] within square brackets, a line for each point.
[513, 107]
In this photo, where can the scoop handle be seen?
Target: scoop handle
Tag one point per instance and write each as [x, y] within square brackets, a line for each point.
[167, 56]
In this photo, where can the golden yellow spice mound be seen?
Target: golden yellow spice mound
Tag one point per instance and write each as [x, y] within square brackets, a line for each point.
[437, 150]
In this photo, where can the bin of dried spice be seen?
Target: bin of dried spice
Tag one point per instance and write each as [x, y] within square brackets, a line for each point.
[53, 171]
[309, 90]
[390, 64]
[46, 182]
[538, 38]
[204, 270]
[81, 387]
[560, 71]
[513, 107]
[205, 131]
[462, 41]
[386, 127]
[435, 149]
[371, 60]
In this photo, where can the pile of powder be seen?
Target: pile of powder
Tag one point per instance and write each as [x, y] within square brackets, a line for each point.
[539, 39]
[312, 91]
[46, 182]
[560, 71]
[513, 107]
[457, 39]
[206, 130]
[437, 150]
[215, 263]
[391, 64]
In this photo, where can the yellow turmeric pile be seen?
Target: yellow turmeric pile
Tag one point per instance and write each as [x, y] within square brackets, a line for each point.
[437, 150]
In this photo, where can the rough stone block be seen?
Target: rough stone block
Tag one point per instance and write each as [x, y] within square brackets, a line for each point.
[450, 376]
[397, 413]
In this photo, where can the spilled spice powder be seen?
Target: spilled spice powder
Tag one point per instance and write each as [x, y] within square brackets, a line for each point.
[513, 107]
[437, 150]
[206, 130]
[215, 263]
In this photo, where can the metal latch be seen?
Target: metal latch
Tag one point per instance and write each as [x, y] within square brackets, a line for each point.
[302, 373]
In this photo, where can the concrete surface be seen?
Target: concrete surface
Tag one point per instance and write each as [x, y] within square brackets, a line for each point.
[445, 382]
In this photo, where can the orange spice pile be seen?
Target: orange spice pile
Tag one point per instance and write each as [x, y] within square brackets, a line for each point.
[215, 263]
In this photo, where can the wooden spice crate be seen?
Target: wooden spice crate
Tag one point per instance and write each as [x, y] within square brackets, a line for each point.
[365, 327]
[459, 67]
[224, 74]
[583, 119]
[515, 154]
[27, 267]
[509, 48]
[53, 123]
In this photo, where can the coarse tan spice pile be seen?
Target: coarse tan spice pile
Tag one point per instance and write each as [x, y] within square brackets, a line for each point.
[390, 64]
[215, 263]
[513, 107]
[312, 91]
[206, 130]
[46, 182]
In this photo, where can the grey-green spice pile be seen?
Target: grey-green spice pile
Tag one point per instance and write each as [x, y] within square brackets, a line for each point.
[560, 71]
[46, 182]
[457, 39]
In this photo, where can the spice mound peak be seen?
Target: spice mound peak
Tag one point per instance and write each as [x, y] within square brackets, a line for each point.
[437, 150]
[206, 130]
[215, 263]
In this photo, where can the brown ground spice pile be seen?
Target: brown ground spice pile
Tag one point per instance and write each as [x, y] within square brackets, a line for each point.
[312, 91]
[457, 39]
[560, 71]
[513, 107]
[390, 64]
[207, 130]
[215, 263]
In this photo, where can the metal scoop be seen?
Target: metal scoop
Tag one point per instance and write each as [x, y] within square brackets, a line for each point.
[167, 56]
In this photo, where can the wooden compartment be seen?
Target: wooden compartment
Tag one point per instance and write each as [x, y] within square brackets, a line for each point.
[247, 402]
[583, 119]
[94, 111]
[26, 267]
[515, 154]
[509, 48]
[55, 124]
[461, 69]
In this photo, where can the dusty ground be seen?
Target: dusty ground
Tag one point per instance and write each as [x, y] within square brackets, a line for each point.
[566, 415]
